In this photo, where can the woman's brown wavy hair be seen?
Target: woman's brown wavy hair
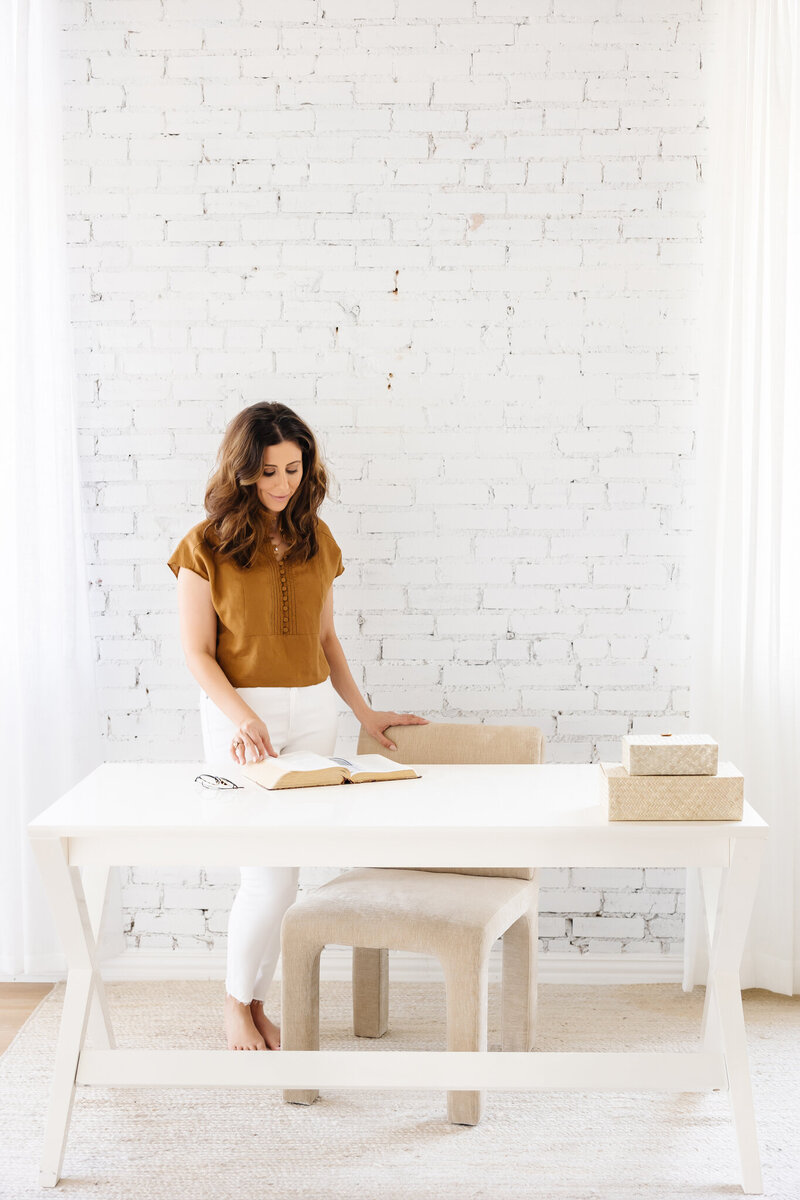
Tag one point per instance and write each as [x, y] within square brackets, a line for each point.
[237, 523]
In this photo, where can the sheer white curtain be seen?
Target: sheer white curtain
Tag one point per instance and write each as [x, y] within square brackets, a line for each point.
[746, 589]
[49, 722]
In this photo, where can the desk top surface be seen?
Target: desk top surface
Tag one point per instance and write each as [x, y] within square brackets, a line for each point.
[152, 797]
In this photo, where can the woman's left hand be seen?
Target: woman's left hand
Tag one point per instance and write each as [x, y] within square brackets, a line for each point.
[376, 722]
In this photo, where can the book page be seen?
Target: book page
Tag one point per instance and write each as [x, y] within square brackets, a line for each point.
[299, 768]
[302, 760]
[375, 763]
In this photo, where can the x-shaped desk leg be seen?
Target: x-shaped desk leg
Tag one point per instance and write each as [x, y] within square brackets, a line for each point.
[84, 993]
[728, 899]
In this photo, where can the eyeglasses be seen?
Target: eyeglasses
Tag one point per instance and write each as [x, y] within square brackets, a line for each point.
[216, 782]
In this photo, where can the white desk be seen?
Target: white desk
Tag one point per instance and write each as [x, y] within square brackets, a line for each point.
[545, 816]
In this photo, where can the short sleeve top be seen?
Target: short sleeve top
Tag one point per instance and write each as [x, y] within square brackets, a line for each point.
[268, 615]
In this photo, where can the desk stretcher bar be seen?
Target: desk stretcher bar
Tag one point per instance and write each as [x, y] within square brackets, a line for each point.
[698, 1071]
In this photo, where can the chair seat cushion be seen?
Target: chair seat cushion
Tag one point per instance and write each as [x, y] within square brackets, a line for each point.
[405, 909]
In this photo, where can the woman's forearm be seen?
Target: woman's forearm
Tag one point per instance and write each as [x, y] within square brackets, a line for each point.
[212, 679]
[342, 679]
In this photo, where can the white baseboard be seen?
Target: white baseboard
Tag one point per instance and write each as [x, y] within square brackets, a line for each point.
[335, 965]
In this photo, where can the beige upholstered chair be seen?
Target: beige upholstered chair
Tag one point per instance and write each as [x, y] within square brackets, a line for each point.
[453, 913]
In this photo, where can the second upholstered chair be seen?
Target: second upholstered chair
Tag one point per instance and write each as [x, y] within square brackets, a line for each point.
[453, 913]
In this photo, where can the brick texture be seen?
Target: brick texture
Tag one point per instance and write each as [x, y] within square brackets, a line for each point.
[464, 240]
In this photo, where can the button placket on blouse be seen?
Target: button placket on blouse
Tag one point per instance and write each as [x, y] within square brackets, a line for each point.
[284, 595]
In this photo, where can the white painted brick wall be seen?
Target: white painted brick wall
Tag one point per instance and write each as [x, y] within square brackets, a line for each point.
[463, 238]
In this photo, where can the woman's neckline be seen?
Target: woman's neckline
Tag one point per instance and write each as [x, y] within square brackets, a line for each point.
[278, 551]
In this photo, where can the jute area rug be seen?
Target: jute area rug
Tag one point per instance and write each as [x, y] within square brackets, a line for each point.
[243, 1144]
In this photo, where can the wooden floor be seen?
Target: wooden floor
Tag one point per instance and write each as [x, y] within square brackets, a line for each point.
[17, 1002]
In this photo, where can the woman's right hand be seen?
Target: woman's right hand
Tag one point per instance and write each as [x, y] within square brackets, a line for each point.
[251, 742]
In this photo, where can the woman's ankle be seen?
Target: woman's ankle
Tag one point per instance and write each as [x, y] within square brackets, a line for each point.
[241, 1003]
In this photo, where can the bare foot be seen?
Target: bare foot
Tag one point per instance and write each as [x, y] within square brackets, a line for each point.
[271, 1032]
[239, 1027]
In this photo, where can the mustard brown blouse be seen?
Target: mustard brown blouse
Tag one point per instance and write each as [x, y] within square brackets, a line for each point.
[268, 615]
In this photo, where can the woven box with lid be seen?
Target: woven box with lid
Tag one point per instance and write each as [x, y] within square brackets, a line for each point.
[628, 797]
[669, 754]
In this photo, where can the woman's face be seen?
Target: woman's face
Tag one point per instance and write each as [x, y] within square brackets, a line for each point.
[282, 470]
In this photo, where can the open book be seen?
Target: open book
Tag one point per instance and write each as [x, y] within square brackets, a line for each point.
[304, 769]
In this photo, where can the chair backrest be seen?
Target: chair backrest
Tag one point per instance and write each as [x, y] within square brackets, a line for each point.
[442, 742]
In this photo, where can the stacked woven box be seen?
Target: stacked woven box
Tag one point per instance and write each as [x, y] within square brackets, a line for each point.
[672, 777]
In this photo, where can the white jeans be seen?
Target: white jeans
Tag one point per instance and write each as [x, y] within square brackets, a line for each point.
[298, 718]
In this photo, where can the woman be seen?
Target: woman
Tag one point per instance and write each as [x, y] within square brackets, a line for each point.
[255, 603]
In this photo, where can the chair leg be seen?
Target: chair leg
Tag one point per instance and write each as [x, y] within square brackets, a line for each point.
[467, 984]
[520, 953]
[370, 992]
[300, 1006]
